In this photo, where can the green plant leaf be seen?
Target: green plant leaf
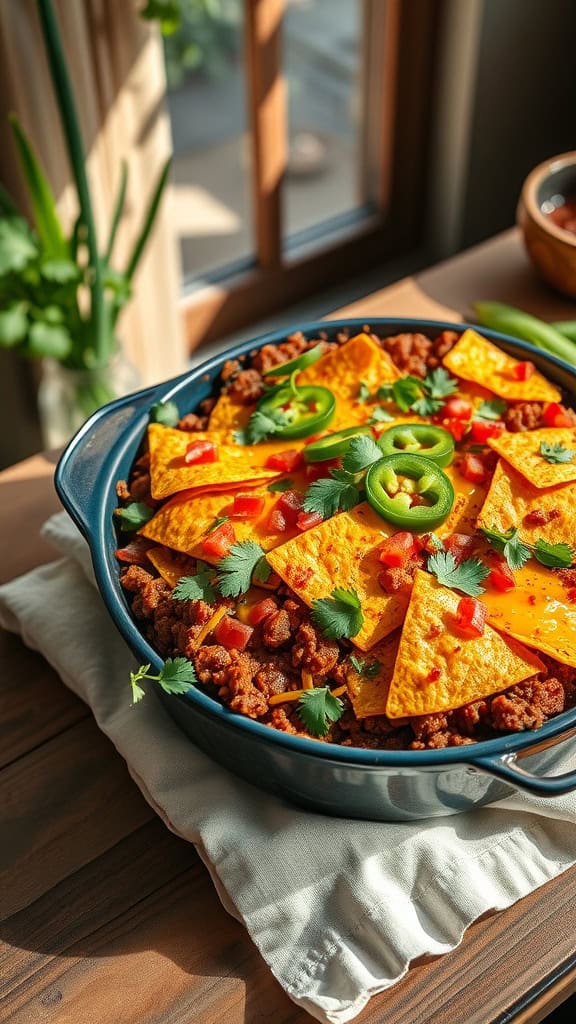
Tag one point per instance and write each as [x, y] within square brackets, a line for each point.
[17, 245]
[42, 201]
[118, 210]
[13, 324]
[167, 12]
[59, 271]
[148, 222]
[49, 340]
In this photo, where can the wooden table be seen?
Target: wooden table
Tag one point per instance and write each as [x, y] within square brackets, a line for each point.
[106, 916]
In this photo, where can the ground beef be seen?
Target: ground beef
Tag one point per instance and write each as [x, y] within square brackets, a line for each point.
[122, 491]
[526, 706]
[246, 387]
[276, 629]
[424, 726]
[395, 578]
[313, 651]
[524, 416]
[409, 352]
[192, 422]
[230, 369]
[274, 676]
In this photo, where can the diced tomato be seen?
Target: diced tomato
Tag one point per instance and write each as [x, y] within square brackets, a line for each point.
[284, 462]
[276, 521]
[397, 549]
[434, 674]
[317, 470]
[501, 576]
[570, 594]
[199, 452]
[290, 505]
[460, 546]
[473, 468]
[471, 617]
[456, 408]
[555, 415]
[247, 506]
[306, 520]
[218, 543]
[481, 430]
[262, 610]
[135, 552]
[523, 371]
[454, 426]
[232, 633]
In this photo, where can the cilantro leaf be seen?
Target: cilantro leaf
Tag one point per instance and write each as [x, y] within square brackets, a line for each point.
[279, 486]
[177, 675]
[364, 667]
[439, 383]
[318, 708]
[491, 409]
[166, 413]
[362, 452]
[465, 577]
[134, 515]
[380, 415]
[195, 588]
[236, 568]
[363, 393]
[554, 556]
[385, 392]
[427, 406]
[406, 391]
[555, 453]
[330, 495]
[508, 544]
[219, 521]
[260, 426]
[338, 615]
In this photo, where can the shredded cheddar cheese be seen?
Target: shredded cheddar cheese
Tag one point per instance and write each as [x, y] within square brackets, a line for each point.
[207, 628]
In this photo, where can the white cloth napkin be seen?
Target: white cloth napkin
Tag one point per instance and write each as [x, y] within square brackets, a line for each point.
[337, 908]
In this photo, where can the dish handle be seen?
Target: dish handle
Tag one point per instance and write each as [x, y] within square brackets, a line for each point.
[506, 767]
[89, 450]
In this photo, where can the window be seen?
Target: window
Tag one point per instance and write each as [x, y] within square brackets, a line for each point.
[300, 137]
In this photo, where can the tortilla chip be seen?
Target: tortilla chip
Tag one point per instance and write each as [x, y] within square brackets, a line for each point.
[343, 552]
[183, 522]
[228, 416]
[170, 565]
[522, 450]
[512, 501]
[359, 360]
[468, 500]
[237, 464]
[437, 669]
[369, 693]
[536, 612]
[474, 358]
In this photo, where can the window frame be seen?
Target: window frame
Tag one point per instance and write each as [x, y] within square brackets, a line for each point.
[398, 72]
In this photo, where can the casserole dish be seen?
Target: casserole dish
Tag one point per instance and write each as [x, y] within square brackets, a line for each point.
[337, 780]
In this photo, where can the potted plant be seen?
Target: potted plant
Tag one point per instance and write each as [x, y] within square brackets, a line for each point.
[60, 296]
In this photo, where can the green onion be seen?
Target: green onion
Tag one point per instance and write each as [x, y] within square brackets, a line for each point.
[509, 320]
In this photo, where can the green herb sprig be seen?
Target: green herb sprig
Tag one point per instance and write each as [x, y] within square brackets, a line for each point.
[318, 708]
[339, 615]
[177, 675]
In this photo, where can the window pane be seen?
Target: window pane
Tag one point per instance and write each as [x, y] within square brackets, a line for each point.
[322, 40]
[206, 97]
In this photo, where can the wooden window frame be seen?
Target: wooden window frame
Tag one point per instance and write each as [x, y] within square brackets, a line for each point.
[397, 75]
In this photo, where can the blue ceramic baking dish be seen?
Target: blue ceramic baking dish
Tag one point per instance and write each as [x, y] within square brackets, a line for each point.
[378, 785]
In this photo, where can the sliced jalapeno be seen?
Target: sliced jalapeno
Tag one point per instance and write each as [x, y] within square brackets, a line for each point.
[333, 446]
[410, 491]
[434, 443]
[306, 409]
[312, 355]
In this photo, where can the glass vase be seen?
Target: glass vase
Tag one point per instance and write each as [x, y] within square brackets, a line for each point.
[67, 398]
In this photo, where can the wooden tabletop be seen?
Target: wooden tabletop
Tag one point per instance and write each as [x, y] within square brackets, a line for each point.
[107, 916]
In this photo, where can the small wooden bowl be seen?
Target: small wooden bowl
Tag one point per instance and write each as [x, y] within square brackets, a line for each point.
[551, 248]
